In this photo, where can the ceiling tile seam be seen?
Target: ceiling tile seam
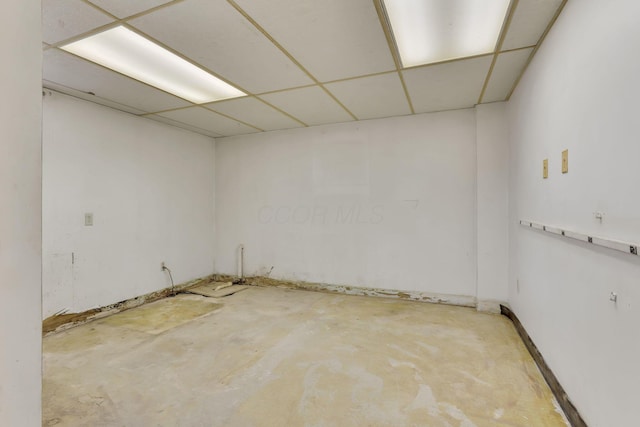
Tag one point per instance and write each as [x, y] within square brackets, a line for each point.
[383, 19]
[347, 79]
[191, 104]
[281, 111]
[328, 92]
[257, 97]
[271, 39]
[516, 49]
[470, 107]
[231, 118]
[287, 53]
[503, 34]
[153, 9]
[328, 82]
[488, 78]
[212, 108]
[406, 92]
[135, 15]
[202, 106]
[464, 58]
[506, 25]
[170, 109]
[182, 125]
[288, 89]
[98, 8]
[86, 34]
[448, 61]
[116, 22]
[537, 46]
[393, 48]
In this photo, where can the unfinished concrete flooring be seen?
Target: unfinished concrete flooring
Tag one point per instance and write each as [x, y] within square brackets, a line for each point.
[275, 357]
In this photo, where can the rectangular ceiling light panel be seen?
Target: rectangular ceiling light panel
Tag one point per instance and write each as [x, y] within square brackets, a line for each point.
[428, 31]
[127, 52]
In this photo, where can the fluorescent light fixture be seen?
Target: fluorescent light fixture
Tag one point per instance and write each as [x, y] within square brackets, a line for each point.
[127, 52]
[428, 31]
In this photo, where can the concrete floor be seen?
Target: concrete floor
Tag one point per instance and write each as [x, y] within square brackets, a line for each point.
[275, 357]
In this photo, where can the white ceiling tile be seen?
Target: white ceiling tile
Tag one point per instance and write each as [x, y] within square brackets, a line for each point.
[256, 113]
[124, 8]
[447, 86]
[332, 39]
[63, 19]
[372, 97]
[529, 21]
[505, 73]
[181, 125]
[312, 105]
[68, 70]
[208, 120]
[214, 34]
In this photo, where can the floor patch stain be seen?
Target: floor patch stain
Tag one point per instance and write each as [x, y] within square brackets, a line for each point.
[163, 315]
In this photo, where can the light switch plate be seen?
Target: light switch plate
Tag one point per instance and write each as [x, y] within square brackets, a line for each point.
[565, 161]
[88, 219]
[545, 168]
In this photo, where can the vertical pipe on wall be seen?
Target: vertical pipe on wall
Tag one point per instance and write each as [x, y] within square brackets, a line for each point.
[241, 262]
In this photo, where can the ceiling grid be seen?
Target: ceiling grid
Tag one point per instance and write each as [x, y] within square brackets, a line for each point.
[299, 62]
[503, 33]
[388, 33]
[289, 55]
[536, 47]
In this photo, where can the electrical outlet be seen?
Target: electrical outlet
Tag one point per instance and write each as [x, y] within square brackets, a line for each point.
[565, 161]
[88, 219]
[162, 266]
[545, 168]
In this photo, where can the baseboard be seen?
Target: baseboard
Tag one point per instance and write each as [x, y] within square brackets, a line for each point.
[569, 409]
[458, 300]
[489, 306]
[60, 322]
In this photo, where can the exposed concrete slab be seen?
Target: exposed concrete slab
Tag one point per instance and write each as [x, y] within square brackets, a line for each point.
[274, 357]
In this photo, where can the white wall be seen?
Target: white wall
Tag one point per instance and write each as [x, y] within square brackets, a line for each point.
[492, 208]
[150, 188]
[386, 203]
[20, 214]
[581, 93]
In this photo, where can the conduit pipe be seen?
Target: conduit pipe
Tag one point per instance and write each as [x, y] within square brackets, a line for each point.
[241, 262]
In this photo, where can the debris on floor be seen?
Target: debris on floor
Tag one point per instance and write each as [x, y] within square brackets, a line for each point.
[217, 289]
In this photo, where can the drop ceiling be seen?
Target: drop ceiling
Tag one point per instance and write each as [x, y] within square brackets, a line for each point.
[301, 62]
